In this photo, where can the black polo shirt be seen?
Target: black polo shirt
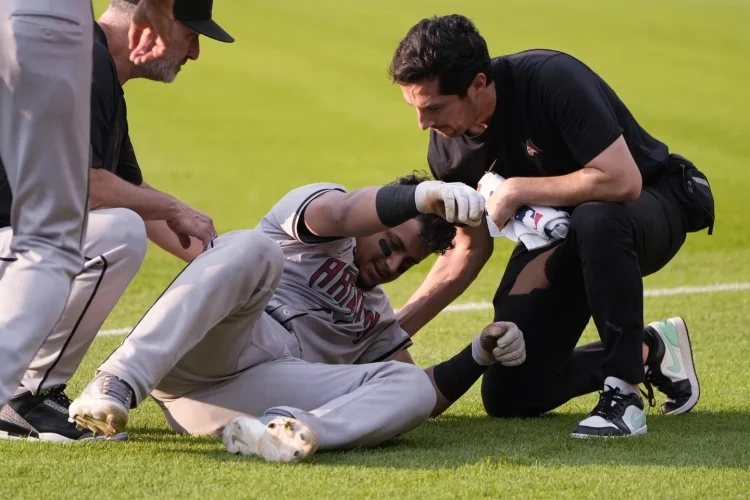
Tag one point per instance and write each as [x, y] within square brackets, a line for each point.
[111, 148]
[553, 116]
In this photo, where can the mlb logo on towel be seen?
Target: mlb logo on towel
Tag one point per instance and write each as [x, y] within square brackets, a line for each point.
[528, 217]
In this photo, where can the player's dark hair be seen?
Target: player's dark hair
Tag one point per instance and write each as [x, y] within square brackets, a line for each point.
[437, 234]
[448, 48]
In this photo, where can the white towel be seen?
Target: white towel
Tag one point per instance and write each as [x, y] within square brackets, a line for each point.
[534, 226]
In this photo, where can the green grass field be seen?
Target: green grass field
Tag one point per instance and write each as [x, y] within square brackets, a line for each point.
[303, 96]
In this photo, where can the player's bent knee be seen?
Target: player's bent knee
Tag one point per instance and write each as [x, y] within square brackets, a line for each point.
[127, 230]
[253, 251]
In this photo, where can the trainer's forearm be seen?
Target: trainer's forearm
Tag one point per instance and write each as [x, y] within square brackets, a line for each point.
[106, 190]
[449, 277]
[588, 184]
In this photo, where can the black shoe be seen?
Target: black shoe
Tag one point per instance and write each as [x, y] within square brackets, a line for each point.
[43, 417]
[616, 415]
[670, 366]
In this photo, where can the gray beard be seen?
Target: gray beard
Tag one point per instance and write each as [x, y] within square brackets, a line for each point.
[161, 70]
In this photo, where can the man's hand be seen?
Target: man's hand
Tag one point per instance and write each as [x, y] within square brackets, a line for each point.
[455, 202]
[500, 342]
[150, 30]
[189, 222]
[503, 204]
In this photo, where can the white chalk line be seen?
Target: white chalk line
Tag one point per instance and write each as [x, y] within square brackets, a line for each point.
[483, 306]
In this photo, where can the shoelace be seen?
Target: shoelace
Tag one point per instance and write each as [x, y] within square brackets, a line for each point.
[607, 397]
[113, 386]
[57, 394]
[648, 382]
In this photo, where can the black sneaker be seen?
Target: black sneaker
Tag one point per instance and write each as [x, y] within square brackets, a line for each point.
[43, 417]
[670, 366]
[616, 415]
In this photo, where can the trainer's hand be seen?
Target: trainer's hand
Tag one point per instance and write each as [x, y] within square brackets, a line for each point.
[500, 342]
[188, 222]
[455, 202]
[503, 204]
[150, 30]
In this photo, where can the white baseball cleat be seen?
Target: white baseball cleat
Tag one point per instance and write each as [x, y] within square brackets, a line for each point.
[283, 439]
[103, 405]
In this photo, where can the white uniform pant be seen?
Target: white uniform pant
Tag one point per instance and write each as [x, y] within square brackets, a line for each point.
[114, 249]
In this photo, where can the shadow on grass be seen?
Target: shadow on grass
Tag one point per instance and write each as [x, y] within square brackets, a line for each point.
[701, 439]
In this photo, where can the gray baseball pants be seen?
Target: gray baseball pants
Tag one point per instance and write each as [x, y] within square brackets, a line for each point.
[114, 249]
[209, 353]
[45, 89]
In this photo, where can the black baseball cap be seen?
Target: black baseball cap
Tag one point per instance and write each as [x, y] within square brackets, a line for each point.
[196, 14]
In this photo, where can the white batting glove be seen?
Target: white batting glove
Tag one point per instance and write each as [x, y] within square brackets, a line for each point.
[501, 342]
[453, 201]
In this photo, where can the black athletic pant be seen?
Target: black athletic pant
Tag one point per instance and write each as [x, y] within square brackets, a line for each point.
[552, 293]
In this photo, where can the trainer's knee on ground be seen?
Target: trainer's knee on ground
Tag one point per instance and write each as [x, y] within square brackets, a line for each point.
[501, 399]
[594, 222]
[506, 408]
[126, 229]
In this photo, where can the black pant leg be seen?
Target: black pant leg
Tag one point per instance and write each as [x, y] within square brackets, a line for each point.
[543, 293]
[617, 244]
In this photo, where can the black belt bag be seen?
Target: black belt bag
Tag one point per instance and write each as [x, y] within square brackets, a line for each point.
[693, 191]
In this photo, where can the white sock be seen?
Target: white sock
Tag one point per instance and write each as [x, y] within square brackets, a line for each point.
[624, 387]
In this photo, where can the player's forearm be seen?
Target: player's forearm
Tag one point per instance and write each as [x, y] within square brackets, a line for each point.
[449, 277]
[106, 190]
[356, 214]
[161, 235]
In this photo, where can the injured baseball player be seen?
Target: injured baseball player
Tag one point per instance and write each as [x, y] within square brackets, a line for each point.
[279, 338]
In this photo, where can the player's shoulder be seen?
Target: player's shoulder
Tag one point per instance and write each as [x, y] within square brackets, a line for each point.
[308, 192]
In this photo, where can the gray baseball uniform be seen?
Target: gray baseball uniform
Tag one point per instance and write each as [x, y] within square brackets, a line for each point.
[114, 247]
[317, 300]
[45, 84]
[220, 342]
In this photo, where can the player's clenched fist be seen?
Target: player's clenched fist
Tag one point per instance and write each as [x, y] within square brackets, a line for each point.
[500, 342]
[454, 201]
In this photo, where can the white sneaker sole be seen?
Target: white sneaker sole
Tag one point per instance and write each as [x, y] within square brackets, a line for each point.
[50, 437]
[638, 432]
[283, 439]
[103, 416]
[686, 354]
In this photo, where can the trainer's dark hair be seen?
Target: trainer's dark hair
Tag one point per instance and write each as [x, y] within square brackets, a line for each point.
[437, 234]
[448, 48]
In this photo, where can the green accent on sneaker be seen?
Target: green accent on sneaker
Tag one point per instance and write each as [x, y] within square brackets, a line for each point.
[638, 422]
[669, 332]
